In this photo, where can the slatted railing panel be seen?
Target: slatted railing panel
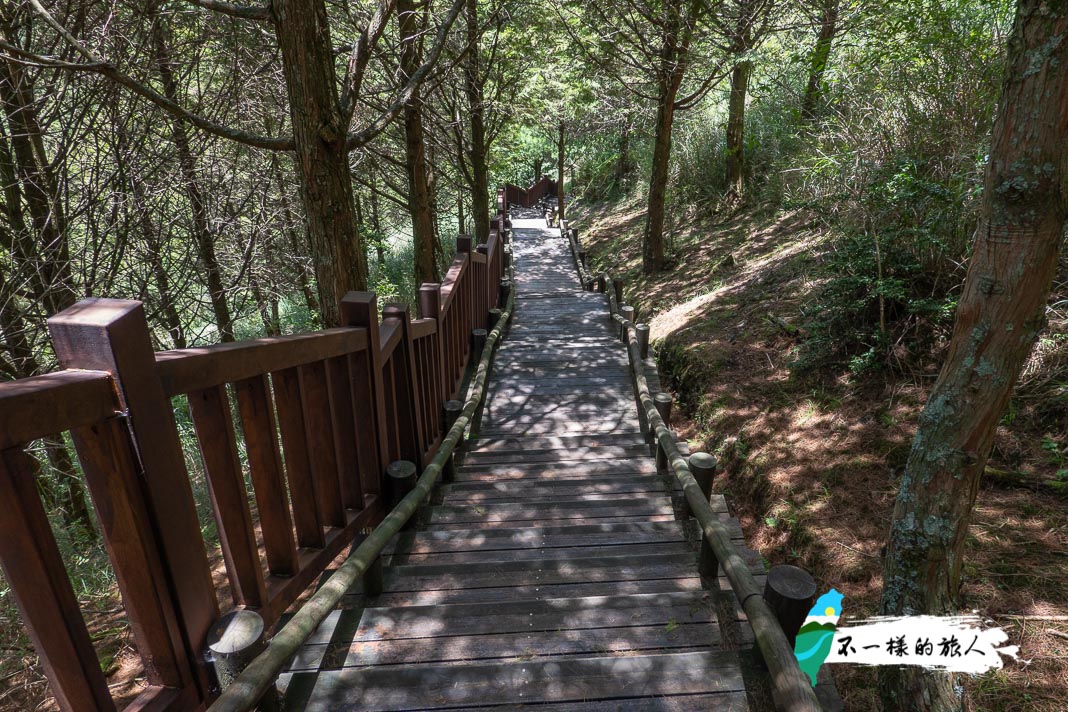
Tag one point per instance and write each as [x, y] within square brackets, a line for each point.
[317, 417]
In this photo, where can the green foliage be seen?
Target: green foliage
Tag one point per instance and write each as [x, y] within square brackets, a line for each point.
[893, 280]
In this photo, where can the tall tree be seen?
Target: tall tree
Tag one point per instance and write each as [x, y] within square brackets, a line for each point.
[203, 236]
[654, 64]
[744, 25]
[410, 22]
[821, 54]
[321, 113]
[999, 316]
[477, 154]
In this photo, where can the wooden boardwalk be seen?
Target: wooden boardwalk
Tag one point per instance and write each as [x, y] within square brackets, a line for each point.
[553, 571]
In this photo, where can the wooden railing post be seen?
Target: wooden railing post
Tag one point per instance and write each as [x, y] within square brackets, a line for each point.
[112, 335]
[662, 403]
[411, 436]
[703, 468]
[234, 642]
[401, 476]
[790, 593]
[627, 312]
[503, 290]
[34, 570]
[484, 277]
[453, 408]
[430, 308]
[360, 309]
[641, 331]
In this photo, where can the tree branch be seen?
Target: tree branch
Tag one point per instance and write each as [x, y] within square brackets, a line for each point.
[245, 12]
[100, 66]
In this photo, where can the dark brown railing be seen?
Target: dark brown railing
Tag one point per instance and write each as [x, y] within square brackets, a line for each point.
[530, 196]
[321, 415]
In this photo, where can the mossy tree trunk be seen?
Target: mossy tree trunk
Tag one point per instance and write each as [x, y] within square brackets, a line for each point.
[319, 131]
[473, 87]
[202, 233]
[560, 173]
[419, 199]
[653, 237]
[821, 53]
[736, 127]
[1000, 314]
[674, 54]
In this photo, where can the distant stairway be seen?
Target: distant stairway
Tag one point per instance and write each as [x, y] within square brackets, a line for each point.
[552, 572]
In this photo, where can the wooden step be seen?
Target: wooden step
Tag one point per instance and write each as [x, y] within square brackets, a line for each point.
[581, 453]
[419, 577]
[578, 507]
[581, 679]
[553, 442]
[511, 490]
[555, 470]
[504, 592]
[425, 542]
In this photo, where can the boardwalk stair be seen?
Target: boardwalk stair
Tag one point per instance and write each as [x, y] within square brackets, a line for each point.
[552, 570]
[379, 544]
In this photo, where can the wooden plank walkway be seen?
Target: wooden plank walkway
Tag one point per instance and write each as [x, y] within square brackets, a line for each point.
[553, 571]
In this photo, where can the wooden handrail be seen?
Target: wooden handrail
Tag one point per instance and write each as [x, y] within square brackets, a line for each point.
[187, 370]
[421, 328]
[391, 336]
[40, 406]
[259, 676]
[790, 687]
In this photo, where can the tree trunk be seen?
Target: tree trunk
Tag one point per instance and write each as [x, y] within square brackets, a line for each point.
[736, 128]
[202, 234]
[1000, 314]
[43, 249]
[303, 33]
[818, 62]
[480, 200]
[537, 169]
[40, 248]
[560, 173]
[376, 223]
[623, 166]
[290, 229]
[411, 32]
[653, 237]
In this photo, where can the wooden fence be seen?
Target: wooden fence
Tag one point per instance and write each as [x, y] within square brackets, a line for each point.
[530, 196]
[320, 416]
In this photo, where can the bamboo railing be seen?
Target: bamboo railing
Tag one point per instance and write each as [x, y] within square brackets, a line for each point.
[790, 687]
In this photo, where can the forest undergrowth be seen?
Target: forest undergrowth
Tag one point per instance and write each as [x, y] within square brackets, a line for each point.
[811, 449]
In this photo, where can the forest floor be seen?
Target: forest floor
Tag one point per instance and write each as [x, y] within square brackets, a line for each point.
[810, 465]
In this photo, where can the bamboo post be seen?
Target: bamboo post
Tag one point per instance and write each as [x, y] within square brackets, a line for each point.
[627, 312]
[478, 339]
[662, 401]
[234, 641]
[790, 593]
[453, 408]
[374, 578]
[503, 291]
[703, 468]
[401, 477]
[641, 331]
